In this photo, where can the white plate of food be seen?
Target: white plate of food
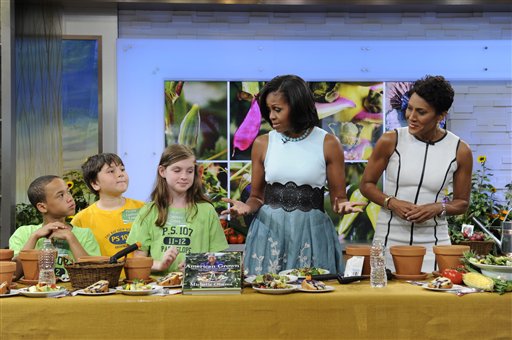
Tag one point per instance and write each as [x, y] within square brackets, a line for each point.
[303, 272]
[324, 290]
[260, 278]
[276, 291]
[13, 292]
[31, 293]
[83, 292]
[142, 291]
[454, 287]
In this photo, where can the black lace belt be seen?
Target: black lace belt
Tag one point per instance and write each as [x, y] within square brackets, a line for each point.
[290, 196]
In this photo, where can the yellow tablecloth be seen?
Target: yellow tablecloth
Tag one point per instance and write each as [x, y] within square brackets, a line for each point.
[353, 311]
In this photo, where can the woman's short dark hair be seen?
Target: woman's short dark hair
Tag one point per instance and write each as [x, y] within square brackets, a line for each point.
[436, 91]
[297, 93]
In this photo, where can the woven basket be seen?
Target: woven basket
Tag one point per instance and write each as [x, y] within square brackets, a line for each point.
[479, 247]
[87, 273]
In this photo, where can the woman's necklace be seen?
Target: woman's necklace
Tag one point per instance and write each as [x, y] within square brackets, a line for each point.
[285, 138]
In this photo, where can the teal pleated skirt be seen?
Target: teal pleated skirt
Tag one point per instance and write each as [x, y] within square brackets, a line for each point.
[279, 240]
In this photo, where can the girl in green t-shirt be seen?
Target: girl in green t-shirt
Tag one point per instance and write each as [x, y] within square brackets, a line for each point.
[180, 218]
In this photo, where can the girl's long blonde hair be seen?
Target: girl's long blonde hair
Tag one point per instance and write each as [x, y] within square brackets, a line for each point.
[161, 196]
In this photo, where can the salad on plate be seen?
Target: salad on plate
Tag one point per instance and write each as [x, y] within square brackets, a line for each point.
[270, 277]
[305, 271]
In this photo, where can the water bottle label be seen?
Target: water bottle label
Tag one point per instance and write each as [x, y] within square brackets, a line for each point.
[354, 266]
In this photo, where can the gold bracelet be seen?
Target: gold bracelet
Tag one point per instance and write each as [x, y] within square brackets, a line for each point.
[386, 201]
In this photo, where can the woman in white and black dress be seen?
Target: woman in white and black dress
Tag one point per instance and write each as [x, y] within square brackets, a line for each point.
[423, 162]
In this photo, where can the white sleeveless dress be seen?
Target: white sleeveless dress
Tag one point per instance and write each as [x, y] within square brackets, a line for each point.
[280, 239]
[421, 173]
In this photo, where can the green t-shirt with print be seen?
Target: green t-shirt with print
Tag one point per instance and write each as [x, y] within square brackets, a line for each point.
[200, 233]
[20, 237]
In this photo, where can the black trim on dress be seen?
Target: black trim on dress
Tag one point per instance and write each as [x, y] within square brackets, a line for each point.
[419, 188]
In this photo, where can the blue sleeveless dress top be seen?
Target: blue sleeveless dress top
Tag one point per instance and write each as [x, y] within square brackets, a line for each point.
[278, 239]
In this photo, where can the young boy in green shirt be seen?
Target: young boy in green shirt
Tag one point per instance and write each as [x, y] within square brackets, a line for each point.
[51, 197]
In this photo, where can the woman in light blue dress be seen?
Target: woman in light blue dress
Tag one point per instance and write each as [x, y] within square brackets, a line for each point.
[290, 167]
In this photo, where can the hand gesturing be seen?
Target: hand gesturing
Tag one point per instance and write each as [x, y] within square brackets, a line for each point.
[347, 207]
[237, 208]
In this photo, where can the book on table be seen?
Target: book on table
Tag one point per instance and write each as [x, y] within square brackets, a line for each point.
[213, 273]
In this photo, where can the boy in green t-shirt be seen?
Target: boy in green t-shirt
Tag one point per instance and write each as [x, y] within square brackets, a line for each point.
[51, 197]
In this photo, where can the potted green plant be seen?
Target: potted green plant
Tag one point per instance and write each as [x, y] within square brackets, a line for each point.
[484, 206]
[479, 242]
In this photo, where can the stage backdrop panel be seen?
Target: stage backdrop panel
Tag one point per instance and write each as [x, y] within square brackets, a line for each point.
[145, 65]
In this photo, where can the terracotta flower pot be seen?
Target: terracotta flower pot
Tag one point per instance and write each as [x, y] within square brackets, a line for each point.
[7, 269]
[448, 256]
[30, 262]
[408, 259]
[6, 254]
[138, 268]
[359, 250]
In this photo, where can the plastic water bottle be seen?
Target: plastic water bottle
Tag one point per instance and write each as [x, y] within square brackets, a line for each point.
[378, 278]
[47, 263]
